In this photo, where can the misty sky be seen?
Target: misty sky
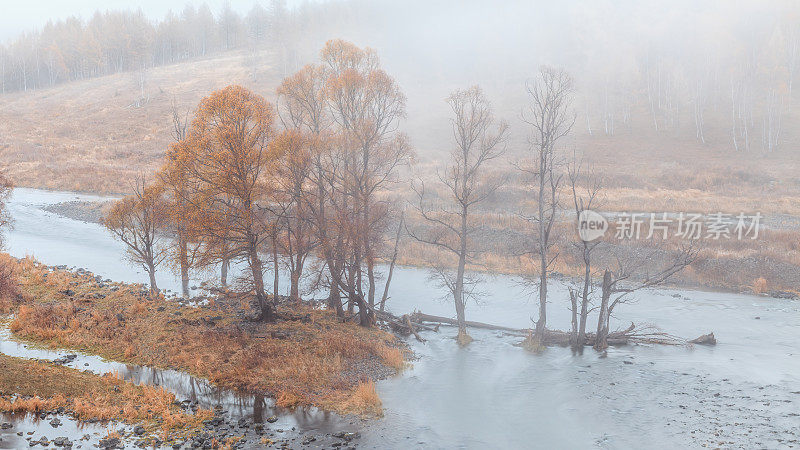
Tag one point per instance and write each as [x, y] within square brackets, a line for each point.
[22, 15]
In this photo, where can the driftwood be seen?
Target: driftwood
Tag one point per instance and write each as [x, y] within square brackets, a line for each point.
[411, 328]
[404, 325]
[706, 339]
[646, 334]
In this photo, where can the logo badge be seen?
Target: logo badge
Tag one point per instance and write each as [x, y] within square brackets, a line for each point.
[591, 225]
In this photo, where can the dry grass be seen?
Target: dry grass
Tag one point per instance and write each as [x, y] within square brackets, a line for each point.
[364, 399]
[43, 387]
[305, 363]
[86, 136]
[393, 357]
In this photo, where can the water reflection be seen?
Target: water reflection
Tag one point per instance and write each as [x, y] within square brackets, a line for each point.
[194, 390]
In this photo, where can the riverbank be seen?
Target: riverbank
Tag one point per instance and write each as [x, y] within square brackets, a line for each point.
[307, 358]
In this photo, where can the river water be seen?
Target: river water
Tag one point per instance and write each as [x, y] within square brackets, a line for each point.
[742, 393]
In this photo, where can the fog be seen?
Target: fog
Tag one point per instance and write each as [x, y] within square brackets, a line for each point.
[699, 68]
[614, 176]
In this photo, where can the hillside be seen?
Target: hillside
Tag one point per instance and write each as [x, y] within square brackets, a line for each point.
[89, 136]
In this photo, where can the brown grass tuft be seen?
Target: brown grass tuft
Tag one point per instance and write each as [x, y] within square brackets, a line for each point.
[365, 399]
[759, 285]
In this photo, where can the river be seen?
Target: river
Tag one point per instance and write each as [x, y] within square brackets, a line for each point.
[744, 392]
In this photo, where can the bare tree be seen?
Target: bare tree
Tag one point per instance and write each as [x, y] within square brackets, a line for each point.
[478, 141]
[365, 106]
[550, 117]
[618, 284]
[771, 132]
[138, 221]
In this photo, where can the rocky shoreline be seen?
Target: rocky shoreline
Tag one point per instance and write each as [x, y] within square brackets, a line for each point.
[242, 433]
[82, 210]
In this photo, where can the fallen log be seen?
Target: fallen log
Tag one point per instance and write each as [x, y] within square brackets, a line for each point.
[403, 325]
[645, 334]
[411, 327]
[422, 317]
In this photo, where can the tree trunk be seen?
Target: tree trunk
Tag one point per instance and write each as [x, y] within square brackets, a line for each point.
[223, 272]
[541, 324]
[151, 270]
[294, 288]
[573, 297]
[334, 296]
[391, 264]
[600, 342]
[276, 278]
[458, 293]
[351, 292]
[335, 300]
[587, 277]
[184, 262]
[267, 307]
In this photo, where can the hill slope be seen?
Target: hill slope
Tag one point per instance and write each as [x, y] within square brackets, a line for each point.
[90, 136]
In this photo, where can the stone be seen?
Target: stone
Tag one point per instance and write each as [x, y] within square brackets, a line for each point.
[347, 435]
[109, 443]
[62, 441]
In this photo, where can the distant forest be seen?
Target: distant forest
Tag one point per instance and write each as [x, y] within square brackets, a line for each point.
[118, 41]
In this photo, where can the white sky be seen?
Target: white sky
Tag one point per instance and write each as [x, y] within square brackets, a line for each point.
[22, 15]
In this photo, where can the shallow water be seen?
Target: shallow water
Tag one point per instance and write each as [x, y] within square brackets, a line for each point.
[493, 394]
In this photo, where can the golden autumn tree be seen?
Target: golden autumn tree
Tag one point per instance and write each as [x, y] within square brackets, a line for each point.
[349, 108]
[304, 109]
[365, 104]
[228, 162]
[138, 220]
